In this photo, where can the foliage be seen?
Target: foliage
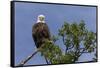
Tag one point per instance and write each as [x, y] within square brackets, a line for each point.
[76, 38]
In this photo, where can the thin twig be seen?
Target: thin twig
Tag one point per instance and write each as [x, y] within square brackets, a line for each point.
[46, 60]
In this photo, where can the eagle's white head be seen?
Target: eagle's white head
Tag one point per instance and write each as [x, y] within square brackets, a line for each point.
[41, 19]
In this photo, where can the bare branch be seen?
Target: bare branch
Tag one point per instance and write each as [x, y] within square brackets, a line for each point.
[46, 60]
[84, 52]
[29, 57]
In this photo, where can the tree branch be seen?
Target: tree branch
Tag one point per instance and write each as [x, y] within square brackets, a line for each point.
[71, 46]
[84, 52]
[64, 43]
[46, 60]
[87, 48]
[29, 57]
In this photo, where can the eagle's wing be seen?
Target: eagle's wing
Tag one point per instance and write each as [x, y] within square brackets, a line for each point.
[46, 31]
[40, 33]
[34, 33]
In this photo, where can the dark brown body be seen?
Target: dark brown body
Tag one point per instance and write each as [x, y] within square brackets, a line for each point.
[40, 32]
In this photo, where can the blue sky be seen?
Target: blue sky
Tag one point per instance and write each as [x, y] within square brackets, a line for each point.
[26, 15]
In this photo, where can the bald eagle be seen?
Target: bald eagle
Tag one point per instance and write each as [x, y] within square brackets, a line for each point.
[40, 31]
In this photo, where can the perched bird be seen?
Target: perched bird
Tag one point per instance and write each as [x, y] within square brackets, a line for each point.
[40, 34]
[40, 31]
